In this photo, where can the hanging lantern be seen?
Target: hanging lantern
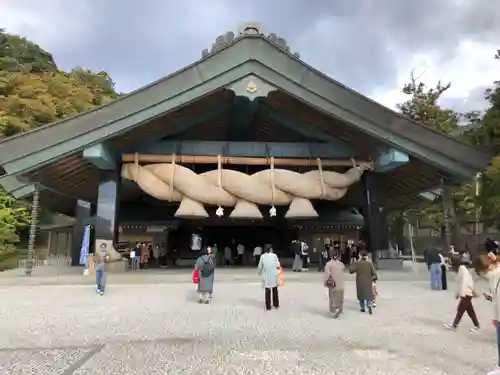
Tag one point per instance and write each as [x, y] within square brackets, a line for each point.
[272, 211]
[219, 212]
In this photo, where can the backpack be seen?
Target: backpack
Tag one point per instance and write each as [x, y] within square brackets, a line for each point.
[207, 268]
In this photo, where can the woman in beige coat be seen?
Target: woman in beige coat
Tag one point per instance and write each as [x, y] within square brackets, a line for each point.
[334, 281]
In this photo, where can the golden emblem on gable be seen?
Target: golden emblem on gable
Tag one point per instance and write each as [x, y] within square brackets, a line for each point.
[252, 87]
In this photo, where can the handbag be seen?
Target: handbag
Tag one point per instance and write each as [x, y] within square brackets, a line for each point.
[330, 283]
[196, 276]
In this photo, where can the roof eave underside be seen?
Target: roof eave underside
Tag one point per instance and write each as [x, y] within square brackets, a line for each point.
[249, 56]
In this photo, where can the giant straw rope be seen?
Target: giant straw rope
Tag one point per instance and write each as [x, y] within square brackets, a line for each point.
[225, 187]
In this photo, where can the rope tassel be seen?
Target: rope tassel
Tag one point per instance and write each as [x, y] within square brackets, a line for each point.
[272, 210]
[220, 211]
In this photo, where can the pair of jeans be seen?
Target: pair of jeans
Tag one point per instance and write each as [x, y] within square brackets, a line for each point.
[436, 276]
[100, 277]
[365, 303]
[465, 305]
[275, 299]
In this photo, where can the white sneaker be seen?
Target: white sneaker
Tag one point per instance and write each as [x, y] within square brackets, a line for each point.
[451, 327]
[495, 371]
[474, 329]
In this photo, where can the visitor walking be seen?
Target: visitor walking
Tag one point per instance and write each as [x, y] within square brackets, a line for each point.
[334, 281]
[269, 266]
[205, 266]
[101, 258]
[488, 267]
[433, 261]
[465, 292]
[297, 260]
[365, 276]
[444, 268]
[210, 253]
[257, 252]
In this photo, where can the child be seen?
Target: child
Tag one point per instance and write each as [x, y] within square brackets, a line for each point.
[465, 294]
[375, 293]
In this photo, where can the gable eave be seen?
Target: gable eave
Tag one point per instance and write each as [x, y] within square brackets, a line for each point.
[246, 56]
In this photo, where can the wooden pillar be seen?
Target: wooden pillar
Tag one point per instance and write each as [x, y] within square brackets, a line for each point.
[32, 232]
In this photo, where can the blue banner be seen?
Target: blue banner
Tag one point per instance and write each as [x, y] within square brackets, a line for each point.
[84, 251]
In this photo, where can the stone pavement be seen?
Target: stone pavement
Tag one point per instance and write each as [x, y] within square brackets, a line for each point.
[160, 329]
[65, 275]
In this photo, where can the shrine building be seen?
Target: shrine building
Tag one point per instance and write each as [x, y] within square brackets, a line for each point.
[248, 145]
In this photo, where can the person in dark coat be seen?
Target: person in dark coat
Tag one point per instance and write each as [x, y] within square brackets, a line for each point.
[433, 261]
[444, 268]
[365, 276]
[205, 266]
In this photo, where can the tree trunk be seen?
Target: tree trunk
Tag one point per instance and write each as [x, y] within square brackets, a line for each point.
[453, 235]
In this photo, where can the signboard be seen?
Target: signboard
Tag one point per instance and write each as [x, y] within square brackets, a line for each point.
[155, 229]
[84, 251]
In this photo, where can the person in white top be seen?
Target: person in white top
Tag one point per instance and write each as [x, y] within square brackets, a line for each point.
[465, 293]
[240, 249]
[488, 267]
[257, 252]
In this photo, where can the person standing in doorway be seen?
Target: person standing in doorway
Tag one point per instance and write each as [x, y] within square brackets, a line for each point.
[257, 252]
[365, 276]
[101, 259]
[240, 249]
[334, 281]
[215, 255]
[205, 266]
[144, 254]
[297, 261]
[304, 252]
[464, 294]
[137, 258]
[228, 256]
[269, 266]
[433, 261]
[323, 258]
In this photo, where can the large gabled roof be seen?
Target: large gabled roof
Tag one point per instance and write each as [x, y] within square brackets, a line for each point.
[248, 55]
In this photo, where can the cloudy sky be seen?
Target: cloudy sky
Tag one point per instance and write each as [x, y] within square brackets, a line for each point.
[371, 46]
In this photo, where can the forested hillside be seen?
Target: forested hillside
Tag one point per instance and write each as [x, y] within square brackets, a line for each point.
[34, 92]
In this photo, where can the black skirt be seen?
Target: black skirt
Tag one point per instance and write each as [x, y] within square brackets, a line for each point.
[443, 277]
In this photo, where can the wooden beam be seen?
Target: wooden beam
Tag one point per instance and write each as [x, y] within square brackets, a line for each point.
[198, 159]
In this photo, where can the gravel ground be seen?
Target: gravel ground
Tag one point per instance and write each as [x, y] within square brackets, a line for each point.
[160, 329]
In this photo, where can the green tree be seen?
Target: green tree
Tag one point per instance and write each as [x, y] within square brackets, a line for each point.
[484, 131]
[423, 106]
[12, 218]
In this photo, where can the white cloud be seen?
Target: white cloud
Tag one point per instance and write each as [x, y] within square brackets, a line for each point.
[472, 66]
